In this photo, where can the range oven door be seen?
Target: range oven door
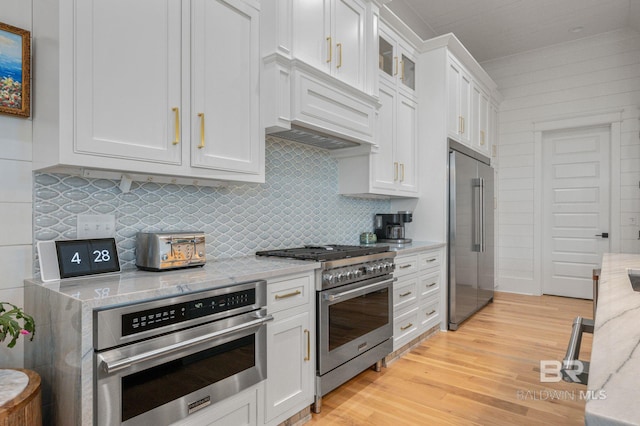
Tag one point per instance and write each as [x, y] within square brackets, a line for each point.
[353, 319]
[162, 380]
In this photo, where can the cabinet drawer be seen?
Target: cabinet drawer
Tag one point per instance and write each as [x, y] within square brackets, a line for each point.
[405, 293]
[288, 293]
[406, 325]
[431, 259]
[406, 265]
[429, 313]
[429, 284]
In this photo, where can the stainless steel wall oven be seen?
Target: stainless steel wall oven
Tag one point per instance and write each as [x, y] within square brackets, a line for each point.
[158, 361]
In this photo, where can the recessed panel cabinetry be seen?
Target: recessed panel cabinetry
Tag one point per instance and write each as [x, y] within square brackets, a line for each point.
[469, 109]
[156, 99]
[390, 169]
[290, 347]
[416, 295]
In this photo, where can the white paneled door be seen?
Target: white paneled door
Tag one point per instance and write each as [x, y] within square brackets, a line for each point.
[576, 208]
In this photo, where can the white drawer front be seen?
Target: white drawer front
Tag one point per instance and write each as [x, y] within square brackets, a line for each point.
[405, 293]
[429, 314]
[429, 284]
[431, 259]
[405, 326]
[406, 265]
[288, 293]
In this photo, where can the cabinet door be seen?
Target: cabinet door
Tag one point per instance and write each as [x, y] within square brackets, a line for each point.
[407, 72]
[407, 143]
[454, 73]
[290, 364]
[225, 126]
[384, 168]
[348, 21]
[388, 61]
[128, 80]
[483, 125]
[312, 42]
[465, 109]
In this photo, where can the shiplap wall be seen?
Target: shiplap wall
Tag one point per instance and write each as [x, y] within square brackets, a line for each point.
[589, 76]
[15, 195]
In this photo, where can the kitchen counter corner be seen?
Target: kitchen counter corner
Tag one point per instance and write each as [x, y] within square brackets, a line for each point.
[614, 370]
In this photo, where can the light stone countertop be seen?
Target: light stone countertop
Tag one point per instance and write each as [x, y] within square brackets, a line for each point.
[614, 372]
[136, 285]
[413, 247]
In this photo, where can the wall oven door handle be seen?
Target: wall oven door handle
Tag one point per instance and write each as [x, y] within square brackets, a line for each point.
[111, 367]
[359, 290]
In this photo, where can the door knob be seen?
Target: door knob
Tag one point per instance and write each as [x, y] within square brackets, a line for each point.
[603, 235]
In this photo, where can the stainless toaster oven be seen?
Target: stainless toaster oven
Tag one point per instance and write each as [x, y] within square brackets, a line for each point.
[158, 251]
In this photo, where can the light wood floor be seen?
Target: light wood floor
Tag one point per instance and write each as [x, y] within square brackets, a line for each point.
[485, 373]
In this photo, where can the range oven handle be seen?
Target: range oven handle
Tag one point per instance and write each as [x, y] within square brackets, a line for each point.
[111, 367]
[365, 289]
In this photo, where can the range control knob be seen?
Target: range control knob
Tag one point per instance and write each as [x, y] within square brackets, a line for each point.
[328, 278]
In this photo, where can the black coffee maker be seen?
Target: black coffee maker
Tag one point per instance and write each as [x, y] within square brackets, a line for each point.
[389, 228]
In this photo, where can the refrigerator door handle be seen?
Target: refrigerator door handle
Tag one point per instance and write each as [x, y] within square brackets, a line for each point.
[477, 214]
[482, 236]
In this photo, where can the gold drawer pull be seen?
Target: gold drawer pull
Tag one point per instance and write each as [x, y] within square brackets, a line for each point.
[396, 61]
[308, 357]
[481, 137]
[431, 285]
[405, 294]
[406, 326]
[406, 266]
[402, 172]
[395, 173]
[292, 294]
[339, 46]
[431, 313]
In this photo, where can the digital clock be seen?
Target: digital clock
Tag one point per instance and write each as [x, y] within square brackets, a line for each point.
[87, 257]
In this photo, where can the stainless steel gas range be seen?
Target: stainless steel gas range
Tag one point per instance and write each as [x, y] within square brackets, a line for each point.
[354, 310]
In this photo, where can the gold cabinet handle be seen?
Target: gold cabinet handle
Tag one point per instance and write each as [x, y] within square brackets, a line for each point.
[395, 173]
[405, 294]
[431, 313]
[402, 73]
[292, 294]
[339, 46]
[308, 333]
[409, 265]
[201, 115]
[462, 120]
[431, 285]
[176, 110]
[481, 137]
[406, 326]
[460, 124]
[329, 49]
[401, 172]
[395, 58]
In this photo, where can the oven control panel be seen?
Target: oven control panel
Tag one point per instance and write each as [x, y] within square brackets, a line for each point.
[352, 273]
[150, 319]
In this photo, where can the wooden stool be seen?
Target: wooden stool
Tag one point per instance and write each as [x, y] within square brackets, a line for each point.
[25, 408]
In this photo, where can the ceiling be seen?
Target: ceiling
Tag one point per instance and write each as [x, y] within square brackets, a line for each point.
[491, 29]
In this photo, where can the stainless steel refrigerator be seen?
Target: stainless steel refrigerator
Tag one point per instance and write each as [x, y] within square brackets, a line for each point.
[471, 241]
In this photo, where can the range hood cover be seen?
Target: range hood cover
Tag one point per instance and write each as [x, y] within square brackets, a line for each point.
[314, 138]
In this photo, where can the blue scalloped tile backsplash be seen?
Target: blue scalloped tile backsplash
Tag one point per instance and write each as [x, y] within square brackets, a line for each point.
[299, 204]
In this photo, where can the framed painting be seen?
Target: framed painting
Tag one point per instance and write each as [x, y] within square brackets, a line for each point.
[15, 71]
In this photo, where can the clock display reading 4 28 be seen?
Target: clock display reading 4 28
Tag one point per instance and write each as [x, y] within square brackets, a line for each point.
[87, 257]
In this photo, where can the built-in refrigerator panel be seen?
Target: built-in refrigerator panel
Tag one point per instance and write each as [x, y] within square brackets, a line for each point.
[471, 242]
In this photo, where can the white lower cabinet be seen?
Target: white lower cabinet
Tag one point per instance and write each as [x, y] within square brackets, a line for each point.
[290, 347]
[416, 295]
[238, 410]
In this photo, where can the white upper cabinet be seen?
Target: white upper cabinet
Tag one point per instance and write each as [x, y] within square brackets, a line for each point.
[396, 60]
[480, 120]
[225, 112]
[459, 102]
[173, 92]
[330, 35]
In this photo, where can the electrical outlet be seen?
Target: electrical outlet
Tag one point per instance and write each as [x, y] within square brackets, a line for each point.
[96, 226]
[632, 220]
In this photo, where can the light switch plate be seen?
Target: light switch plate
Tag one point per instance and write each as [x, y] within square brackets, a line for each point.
[96, 226]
